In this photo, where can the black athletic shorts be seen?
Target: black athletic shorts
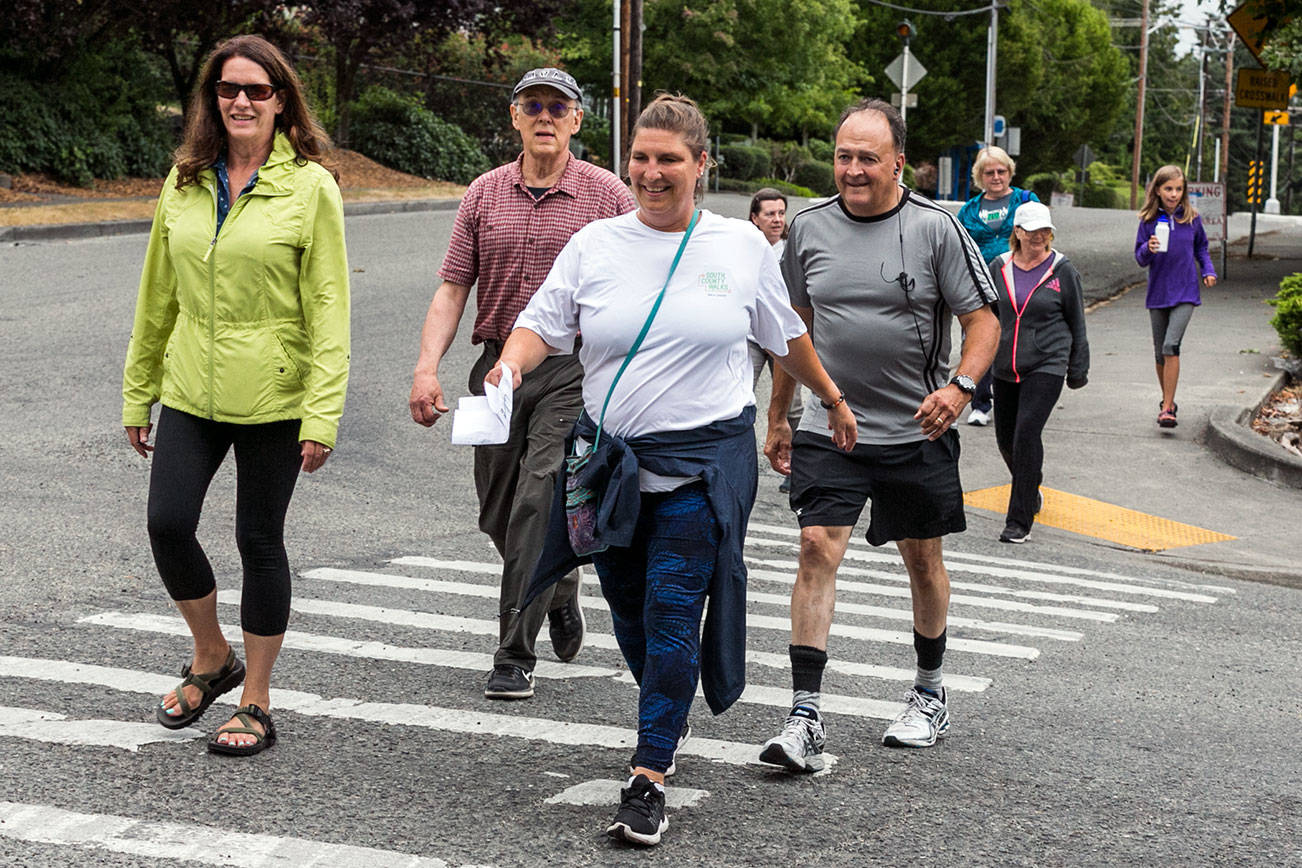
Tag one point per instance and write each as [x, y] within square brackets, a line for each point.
[914, 487]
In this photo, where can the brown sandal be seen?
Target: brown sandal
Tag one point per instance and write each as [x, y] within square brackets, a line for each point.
[211, 685]
[247, 715]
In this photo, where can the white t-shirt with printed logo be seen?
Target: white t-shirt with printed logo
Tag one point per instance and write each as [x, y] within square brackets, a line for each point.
[693, 368]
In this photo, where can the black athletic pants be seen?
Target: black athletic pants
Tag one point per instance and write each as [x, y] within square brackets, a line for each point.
[1021, 412]
[187, 452]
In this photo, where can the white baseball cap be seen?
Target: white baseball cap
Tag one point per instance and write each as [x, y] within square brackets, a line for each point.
[1032, 216]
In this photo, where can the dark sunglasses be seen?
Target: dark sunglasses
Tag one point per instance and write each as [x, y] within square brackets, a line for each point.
[534, 107]
[255, 92]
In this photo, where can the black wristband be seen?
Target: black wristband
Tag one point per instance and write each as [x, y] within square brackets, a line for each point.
[827, 406]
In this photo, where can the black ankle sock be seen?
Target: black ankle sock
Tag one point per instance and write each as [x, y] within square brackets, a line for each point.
[807, 665]
[931, 652]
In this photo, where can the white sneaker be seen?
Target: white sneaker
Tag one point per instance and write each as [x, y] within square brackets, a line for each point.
[980, 418]
[925, 718]
[799, 747]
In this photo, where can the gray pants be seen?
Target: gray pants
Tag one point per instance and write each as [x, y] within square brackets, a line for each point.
[758, 361]
[1168, 325]
[514, 482]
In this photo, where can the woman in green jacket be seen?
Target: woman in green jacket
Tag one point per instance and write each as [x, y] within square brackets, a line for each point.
[241, 333]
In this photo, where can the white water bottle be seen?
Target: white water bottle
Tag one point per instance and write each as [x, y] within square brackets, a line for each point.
[1163, 232]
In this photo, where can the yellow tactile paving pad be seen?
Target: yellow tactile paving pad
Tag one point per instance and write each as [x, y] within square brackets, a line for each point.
[1101, 520]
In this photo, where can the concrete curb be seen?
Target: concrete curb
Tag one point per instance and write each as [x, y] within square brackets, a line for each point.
[1229, 437]
[77, 231]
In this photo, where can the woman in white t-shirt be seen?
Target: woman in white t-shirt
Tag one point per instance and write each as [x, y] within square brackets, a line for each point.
[679, 425]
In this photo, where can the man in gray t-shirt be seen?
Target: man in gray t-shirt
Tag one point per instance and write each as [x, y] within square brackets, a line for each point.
[877, 274]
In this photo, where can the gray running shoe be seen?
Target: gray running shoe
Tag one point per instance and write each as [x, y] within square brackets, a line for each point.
[925, 718]
[799, 747]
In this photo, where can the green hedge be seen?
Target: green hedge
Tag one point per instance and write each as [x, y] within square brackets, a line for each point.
[99, 118]
[736, 185]
[1288, 314]
[816, 175]
[399, 132]
[820, 149]
[745, 161]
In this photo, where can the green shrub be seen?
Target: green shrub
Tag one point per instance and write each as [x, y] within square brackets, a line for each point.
[399, 132]
[1043, 185]
[784, 157]
[745, 161]
[821, 149]
[1100, 196]
[816, 175]
[98, 117]
[1288, 314]
[736, 185]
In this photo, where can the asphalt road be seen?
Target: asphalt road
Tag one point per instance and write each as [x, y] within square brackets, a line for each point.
[1113, 710]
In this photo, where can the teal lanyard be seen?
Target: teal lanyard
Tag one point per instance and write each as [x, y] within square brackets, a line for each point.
[646, 326]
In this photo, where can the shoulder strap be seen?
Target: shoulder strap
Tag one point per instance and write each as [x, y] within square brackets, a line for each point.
[646, 326]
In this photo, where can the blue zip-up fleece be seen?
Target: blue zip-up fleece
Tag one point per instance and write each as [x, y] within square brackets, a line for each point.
[992, 243]
[1173, 276]
[723, 455]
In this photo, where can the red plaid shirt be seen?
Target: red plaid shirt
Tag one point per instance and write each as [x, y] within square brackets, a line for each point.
[507, 240]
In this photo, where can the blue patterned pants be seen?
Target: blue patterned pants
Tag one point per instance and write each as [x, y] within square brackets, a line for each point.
[656, 592]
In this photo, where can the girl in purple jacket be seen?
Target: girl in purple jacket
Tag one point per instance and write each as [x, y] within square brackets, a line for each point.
[1172, 245]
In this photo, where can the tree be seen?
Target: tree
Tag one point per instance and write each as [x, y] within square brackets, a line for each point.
[750, 64]
[184, 32]
[361, 30]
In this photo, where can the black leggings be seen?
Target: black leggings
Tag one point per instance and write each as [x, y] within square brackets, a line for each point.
[187, 452]
[1021, 412]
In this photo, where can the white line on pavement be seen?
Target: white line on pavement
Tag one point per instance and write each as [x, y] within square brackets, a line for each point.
[777, 697]
[176, 842]
[1017, 593]
[888, 557]
[350, 647]
[55, 728]
[605, 793]
[458, 720]
[407, 618]
[373, 579]
[1003, 572]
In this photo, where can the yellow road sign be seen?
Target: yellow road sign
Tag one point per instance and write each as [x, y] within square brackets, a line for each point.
[1261, 88]
[1252, 19]
[1279, 119]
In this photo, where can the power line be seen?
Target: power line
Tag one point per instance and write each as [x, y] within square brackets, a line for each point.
[948, 16]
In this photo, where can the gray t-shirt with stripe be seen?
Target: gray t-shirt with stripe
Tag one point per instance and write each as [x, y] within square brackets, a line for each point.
[885, 347]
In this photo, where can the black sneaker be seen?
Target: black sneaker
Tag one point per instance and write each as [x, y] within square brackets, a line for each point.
[673, 763]
[641, 816]
[509, 682]
[1014, 534]
[565, 626]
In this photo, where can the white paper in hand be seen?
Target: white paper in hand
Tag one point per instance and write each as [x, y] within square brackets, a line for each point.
[486, 420]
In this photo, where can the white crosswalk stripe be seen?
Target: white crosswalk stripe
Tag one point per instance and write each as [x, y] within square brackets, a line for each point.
[1038, 607]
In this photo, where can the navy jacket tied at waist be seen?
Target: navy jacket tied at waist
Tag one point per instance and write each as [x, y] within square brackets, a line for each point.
[723, 455]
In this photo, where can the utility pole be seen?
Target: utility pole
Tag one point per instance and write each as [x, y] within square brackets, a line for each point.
[1202, 108]
[905, 31]
[616, 124]
[626, 35]
[1139, 108]
[634, 60]
[992, 55]
[1225, 118]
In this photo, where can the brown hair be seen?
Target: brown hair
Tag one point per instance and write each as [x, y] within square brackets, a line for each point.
[893, 119]
[205, 136]
[1153, 201]
[680, 114]
[767, 194]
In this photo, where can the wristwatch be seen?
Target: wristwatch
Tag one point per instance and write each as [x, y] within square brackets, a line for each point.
[965, 383]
